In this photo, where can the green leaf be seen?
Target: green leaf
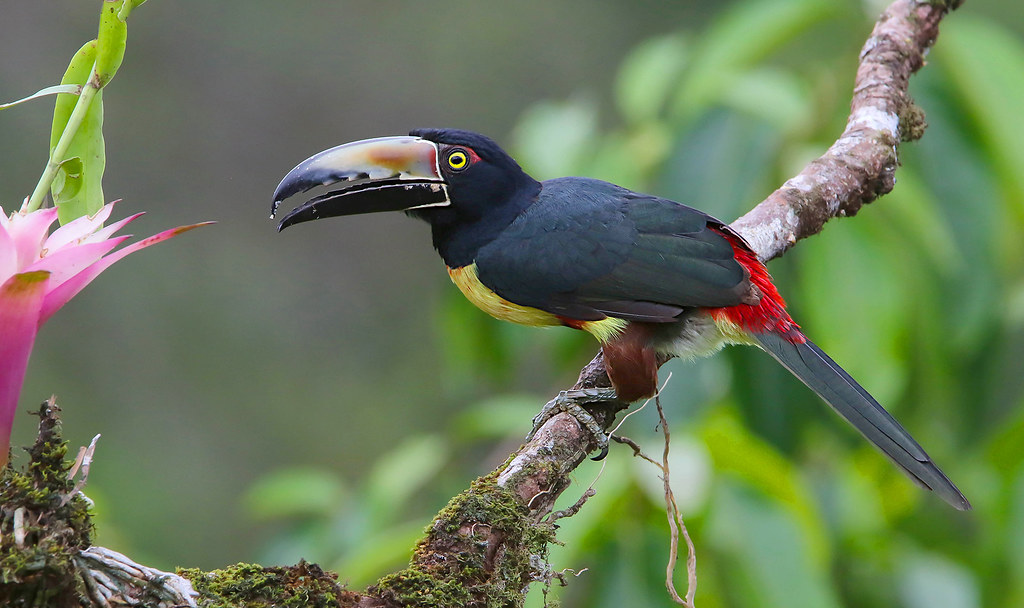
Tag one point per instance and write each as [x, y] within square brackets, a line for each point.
[771, 558]
[379, 554]
[294, 492]
[69, 89]
[735, 450]
[931, 580]
[1005, 450]
[743, 37]
[498, 417]
[579, 534]
[689, 466]
[627, 158]
[912, 207]
[964, 186]
[775, 96]
[722, 164]
[473, 343]
[985, 60]
[647, 76]
[113, 35]
[66, 183]
[856, 304]
[1015, 526]
[81, 193]
[556, 138]
[399, 474]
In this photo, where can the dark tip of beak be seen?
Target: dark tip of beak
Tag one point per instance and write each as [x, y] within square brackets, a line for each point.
[369, 197]
[302, 180]
[308, 175]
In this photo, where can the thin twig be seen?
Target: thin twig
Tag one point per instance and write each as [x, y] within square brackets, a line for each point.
[675, 524]
[574, 509]
[86, 461]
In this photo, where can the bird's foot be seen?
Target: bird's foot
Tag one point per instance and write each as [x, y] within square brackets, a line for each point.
[571, 402]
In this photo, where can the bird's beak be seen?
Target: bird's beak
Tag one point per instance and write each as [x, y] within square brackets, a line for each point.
[387, 174]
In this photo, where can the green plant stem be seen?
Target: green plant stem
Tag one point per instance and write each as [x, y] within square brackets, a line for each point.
[89, 90]
[126, 9]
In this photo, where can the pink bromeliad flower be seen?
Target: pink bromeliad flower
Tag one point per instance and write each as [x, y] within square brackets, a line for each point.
[39, 273]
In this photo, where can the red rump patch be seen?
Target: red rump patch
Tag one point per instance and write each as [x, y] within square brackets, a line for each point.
[769, 315]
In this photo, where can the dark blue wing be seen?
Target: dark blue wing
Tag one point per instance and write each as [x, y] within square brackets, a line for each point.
[588, 249]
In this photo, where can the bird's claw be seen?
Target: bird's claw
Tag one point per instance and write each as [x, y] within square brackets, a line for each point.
[569, 402]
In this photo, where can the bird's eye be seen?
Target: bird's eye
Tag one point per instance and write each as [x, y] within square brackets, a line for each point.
[457, 160]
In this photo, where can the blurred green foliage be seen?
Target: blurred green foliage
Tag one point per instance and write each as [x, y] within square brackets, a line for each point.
[921, 297]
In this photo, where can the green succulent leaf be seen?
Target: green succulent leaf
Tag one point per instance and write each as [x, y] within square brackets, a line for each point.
[77, 189]
[111, 40]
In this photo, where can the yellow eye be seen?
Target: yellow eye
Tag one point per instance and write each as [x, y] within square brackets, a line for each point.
[458, 160]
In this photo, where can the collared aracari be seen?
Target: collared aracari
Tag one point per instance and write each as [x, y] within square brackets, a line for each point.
[647, 276]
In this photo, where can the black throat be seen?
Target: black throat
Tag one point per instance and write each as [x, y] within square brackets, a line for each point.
[459, 233]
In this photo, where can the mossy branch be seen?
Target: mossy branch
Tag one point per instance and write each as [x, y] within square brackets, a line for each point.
[489, 543]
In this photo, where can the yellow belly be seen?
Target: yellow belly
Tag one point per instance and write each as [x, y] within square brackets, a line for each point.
[468, 282]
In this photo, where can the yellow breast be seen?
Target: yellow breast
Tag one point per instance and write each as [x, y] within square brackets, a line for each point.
[468, 282]
[482, 297]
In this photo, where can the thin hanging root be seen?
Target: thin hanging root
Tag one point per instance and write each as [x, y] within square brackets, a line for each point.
[675, 524]
[675, 519]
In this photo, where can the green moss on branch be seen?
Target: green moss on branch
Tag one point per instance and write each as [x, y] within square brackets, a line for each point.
[42, 527]
[482, 549]
[304, 585]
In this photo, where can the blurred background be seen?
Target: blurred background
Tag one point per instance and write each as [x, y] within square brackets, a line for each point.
[321, 393]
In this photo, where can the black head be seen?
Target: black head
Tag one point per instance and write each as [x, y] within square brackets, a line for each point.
[461, 182]
[481, 177]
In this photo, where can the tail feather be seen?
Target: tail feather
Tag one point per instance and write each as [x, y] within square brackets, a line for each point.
[824, 376]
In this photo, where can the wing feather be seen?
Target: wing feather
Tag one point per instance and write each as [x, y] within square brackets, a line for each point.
[587, 248]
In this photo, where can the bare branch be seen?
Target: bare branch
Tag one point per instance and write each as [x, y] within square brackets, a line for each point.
[861, 165]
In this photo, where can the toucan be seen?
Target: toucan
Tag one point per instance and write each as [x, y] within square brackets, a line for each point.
[649, 277]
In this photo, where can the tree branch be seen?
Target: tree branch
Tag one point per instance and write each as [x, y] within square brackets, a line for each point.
[861, 165]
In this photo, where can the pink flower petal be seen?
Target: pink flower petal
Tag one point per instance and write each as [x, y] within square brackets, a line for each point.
[105, 233]
[71, 260]
[26, 233]
[21, 298]
[8, 252]
[78, 228]
[62, 293]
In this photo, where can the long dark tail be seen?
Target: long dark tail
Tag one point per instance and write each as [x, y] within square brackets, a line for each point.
[824, 376]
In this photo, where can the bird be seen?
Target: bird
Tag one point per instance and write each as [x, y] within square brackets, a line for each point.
[648, 277]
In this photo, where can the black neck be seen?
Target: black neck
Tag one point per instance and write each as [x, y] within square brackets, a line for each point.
[458, 238]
